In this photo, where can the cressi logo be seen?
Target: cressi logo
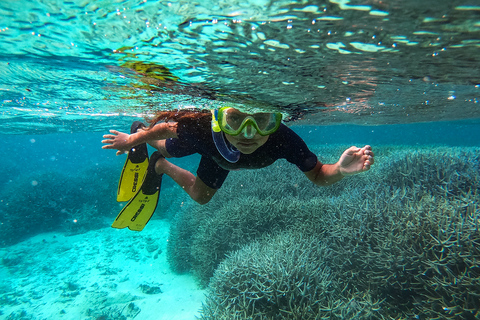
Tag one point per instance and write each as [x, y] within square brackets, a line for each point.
[138, 212]
[135, 182]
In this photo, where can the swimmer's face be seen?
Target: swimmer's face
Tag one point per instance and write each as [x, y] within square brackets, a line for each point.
[248, 132]
[247, 146]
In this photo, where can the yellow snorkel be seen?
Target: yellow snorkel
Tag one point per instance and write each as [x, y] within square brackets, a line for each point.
[215, 125]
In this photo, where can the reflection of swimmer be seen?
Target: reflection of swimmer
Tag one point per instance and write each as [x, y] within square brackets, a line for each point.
[153, 77]
[228, 139]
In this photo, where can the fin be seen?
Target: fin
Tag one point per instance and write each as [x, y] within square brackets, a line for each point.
[138, 211]
[134, 169]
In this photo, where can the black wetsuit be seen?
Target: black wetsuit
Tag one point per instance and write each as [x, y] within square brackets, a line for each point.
[195, 136]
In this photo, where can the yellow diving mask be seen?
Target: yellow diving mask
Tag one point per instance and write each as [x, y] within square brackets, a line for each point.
[233, 122]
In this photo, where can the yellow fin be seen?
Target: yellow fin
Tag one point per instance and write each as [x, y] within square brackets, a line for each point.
[136, 214]
[131, 179]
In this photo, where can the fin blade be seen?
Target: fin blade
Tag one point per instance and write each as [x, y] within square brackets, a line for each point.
[136, 214]
[131, 179]
[134, 169]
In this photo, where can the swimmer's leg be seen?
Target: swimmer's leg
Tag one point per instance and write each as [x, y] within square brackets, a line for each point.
[160, 146]
[194, 186]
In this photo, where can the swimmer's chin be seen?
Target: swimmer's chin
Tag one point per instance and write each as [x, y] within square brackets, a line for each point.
[247, 146]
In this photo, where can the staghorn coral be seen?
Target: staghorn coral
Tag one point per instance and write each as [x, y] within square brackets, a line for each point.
[446, 172]
[288, 276]
[200, 239]
[402, 243]
[284, 277]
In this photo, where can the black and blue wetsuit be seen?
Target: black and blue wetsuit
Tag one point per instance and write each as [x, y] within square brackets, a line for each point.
[195, 136]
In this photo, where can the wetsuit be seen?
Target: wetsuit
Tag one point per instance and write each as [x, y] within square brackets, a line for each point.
[195, 136]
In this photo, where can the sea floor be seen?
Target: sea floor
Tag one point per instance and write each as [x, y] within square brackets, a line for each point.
[101, 274]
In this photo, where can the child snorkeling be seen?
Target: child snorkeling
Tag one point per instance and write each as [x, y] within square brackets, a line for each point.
[227, 139]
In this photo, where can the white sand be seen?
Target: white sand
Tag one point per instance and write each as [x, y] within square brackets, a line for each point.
[85, 276]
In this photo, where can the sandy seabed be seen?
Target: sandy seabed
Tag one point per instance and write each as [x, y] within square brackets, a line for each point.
[101, 274]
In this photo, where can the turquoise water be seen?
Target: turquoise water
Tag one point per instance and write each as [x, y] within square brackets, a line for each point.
[337, 61]
[402, 77]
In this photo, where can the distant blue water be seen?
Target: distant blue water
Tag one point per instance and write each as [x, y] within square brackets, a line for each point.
[458, 133]
[63, 152]
[67, 152]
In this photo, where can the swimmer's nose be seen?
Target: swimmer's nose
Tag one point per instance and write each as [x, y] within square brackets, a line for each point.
[249, 132]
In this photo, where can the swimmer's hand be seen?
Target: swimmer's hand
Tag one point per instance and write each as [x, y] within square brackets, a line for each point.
[117, 140]
[355, 160]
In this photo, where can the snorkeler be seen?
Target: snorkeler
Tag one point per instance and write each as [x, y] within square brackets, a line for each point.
[227, 139]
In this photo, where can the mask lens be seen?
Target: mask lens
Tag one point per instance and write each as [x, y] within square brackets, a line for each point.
[233, 119]
[234, 122]
[265, 121]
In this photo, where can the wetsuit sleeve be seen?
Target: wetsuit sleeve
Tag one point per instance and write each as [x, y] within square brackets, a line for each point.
[211, 173]
[297, 151]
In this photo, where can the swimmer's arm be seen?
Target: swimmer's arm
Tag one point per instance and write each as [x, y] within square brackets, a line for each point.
[353, 160]
[324, 174]
[123, 142]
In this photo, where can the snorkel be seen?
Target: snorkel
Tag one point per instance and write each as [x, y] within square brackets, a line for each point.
[229, 152]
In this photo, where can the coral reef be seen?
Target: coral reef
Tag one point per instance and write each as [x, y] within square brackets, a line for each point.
[403, 241]
[286, 276]
[55, 201]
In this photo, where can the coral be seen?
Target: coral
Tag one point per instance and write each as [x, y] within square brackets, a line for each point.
[81, 219]
[402, 241]
[54, 201]
[201, 238]
[446, 172]
[150, 288]
[284, 277]
[182, 230]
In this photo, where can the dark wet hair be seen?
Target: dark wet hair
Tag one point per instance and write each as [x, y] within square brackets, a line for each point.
[180, 116]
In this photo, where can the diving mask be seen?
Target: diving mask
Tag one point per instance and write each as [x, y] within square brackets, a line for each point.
[233, 122]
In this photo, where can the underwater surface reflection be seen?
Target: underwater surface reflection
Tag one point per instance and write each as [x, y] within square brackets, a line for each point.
[363, 62]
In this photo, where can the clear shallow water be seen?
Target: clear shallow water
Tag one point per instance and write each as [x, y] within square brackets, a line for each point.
[384, 72]
[66, 65]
